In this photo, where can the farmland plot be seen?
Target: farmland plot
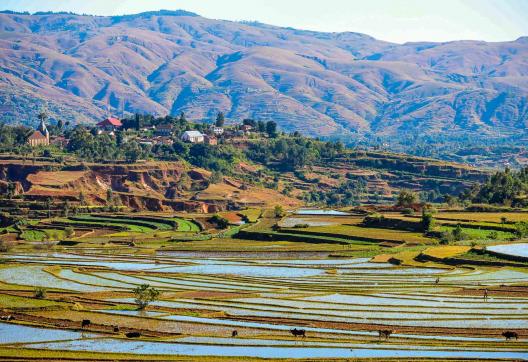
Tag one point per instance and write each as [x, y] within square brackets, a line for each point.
[340, 303]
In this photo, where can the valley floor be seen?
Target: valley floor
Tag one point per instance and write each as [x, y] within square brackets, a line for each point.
[340, 291]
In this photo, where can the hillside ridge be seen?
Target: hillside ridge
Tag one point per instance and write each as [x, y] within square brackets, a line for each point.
[82, 68]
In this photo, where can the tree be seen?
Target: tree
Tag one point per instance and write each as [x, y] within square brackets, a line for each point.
[48, 206]
[144, 295]
[458, 233]
[220, 119]
[278, 211]
[407, 198]
[11, 187]
[42, 116]
[216, 177]
[109, 196]
[249, 122]
[132, 151]
[521, 229]
[271, 129]
[221, 222]
[82, 199]
[428, 221]
[182, 118]
[451, 200]
[69, 231]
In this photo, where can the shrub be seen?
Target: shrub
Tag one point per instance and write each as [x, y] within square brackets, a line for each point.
[40, 293]
[407, 211]
[458, 233]
[493, 235]
[301, 226]
[278, 211]
[446, 238]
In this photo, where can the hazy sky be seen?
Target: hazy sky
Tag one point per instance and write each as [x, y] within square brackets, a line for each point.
[392, 20]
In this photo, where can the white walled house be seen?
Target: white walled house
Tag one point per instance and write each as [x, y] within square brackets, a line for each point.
[193, 137]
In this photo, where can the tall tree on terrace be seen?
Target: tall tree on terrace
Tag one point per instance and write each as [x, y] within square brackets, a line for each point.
[220, 119]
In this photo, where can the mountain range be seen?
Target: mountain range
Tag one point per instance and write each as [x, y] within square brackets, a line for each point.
[82, 68]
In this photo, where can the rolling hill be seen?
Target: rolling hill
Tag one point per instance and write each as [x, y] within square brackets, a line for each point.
[322, 84]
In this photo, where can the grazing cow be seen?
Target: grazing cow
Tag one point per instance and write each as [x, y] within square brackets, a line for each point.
[116, 329]
[133, 334]
[85, 323]
[385, 333]
[298, 332]
[509, 335]
[7, 317]
[234, 333]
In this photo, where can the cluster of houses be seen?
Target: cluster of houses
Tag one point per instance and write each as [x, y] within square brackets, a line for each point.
[162, 134]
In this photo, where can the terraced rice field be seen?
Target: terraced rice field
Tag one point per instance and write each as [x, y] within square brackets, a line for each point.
[519, 250]
[434, 312]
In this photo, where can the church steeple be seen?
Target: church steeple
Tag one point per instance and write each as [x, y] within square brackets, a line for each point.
[43, 129]
[42, 126]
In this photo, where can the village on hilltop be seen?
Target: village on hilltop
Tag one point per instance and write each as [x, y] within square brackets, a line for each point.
[147, 130]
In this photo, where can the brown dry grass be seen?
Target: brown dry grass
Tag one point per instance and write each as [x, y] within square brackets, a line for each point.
[55, 178]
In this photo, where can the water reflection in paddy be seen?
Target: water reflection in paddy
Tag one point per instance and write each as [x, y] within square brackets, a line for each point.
[15, 333]
[33, 275]
[109, 345]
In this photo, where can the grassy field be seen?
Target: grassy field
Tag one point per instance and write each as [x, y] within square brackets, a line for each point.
[373, 233]
[446, 251]
[481, 234]
[186, 225]
[252, 215]
[494, 217]
[13, 301]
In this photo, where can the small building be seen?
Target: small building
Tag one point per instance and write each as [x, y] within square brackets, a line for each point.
[110, 124]
[164, 130]
[210, 140]
[218, 130]
[246, 128]
[193, 137]
[40, 137]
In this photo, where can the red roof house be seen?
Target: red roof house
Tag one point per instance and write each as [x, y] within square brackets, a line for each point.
[110, 124]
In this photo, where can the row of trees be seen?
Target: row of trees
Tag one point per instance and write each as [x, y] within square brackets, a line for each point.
[508, 188]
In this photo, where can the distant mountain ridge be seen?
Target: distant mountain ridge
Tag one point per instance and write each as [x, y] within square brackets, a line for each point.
[85, 67]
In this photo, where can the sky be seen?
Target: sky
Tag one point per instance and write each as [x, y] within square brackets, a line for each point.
[392, 20]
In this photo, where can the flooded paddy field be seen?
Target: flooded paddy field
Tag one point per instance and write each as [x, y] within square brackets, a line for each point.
[339, 303]
[241, 299]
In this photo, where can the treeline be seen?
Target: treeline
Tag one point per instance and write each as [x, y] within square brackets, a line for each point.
[508, 188]
[292, 152]
[13, 137]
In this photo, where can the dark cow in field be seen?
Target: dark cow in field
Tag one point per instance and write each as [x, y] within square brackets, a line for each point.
[85, 323]
[116, 329]
[133, 334]
[298, 332]
[234, 333]
[509, 335]
[385, 333]
[7, 318]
